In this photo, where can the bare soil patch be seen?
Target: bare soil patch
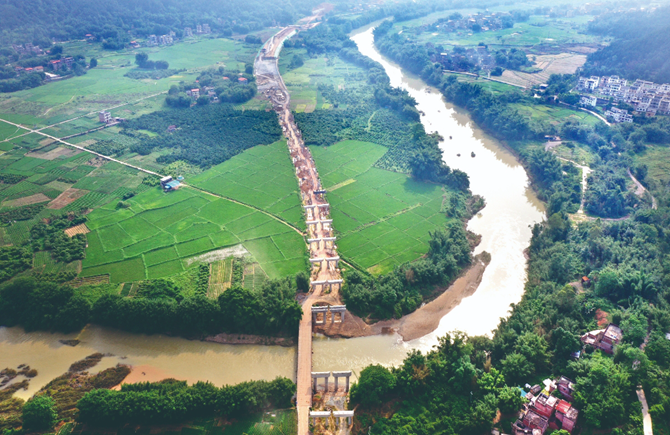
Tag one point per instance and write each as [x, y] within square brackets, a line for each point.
[27, 200]
[96, 162]
[87, 143]
[79, 229]
[55, 153]
[67, 197]
[562, 63]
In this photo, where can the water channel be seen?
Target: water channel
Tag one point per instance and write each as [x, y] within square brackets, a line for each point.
[504, 225]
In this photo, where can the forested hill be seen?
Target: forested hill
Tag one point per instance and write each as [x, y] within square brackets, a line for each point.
[640, 50]
[37, 21]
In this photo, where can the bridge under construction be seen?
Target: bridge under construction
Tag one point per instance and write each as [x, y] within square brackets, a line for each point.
[323, 304]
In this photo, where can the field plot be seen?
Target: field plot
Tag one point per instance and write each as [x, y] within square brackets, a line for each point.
[263, 177]
[563, 63]
[556, 115]
[106, 86]
[383, 217]
[538, 30]
[160, 232]
[303, 82]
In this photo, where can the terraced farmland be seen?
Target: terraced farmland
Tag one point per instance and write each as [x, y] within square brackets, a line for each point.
[383, 217]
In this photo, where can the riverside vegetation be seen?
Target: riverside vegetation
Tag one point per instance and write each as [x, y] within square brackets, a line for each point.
[458, 387]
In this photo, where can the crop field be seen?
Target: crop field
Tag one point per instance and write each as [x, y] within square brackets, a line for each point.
[105, 86]
[303, 82]
[538, 30]
[383, 218]
[263, 177]
[155, 236]
[556, 115]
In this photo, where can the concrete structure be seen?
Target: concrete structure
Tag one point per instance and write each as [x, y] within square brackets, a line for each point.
[349, 415]
[105, 117]
[315, 380]
[313, 415]
[337, 309]
[325, 309]
[344, 374]
[604, 339]
[188, 32]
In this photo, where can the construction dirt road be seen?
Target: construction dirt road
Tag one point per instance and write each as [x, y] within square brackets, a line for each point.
[271, 84]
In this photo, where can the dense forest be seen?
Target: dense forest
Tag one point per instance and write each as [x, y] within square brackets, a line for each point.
[639, 50]
[159, 308]
[205, 135]
[110, 21]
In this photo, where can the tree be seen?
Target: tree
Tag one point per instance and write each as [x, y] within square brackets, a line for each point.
[516, 368]
[39, 414]
[203, 101]
[302, 281]
[93, 63]
[56, 49]
[510, 400]
[141, 59]
[374, 385]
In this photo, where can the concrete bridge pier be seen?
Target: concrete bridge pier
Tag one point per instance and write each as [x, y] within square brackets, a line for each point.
[313, 415]
[344, 374]
[337, 309]
[315, 379]
[316, 321]
[332, 261]
[338, 415]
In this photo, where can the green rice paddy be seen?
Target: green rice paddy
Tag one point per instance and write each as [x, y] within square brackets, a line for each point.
[382, 218]
[263, 177]
[156, 235]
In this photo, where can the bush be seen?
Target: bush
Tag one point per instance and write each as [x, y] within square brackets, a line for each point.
[39, 414]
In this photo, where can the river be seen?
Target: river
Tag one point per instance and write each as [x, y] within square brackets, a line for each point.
[504, 224]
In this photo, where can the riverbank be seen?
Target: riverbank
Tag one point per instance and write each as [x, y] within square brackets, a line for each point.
[225, 338]
[421, 322]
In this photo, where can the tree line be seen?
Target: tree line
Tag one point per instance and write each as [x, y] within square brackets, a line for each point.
[159, 307]
[172, 401]
[403, 290]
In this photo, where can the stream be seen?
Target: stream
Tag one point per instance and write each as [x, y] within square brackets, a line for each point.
[505, 225]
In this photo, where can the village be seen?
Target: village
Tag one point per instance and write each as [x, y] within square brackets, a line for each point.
[643, 97]
[550, 406]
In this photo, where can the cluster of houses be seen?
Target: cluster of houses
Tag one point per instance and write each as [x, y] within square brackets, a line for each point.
[153, 40]
[200, 29]
[169, 184]
[206, 90]
[27, 48]
[459, 61]
[646, 97]
[485, 21]
[544, 411]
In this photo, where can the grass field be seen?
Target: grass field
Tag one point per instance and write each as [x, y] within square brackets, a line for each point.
[657, 159]
[155, 236]
[382, 218]
[555, 115]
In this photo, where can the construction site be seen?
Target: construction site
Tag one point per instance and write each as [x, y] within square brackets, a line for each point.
[322, 409]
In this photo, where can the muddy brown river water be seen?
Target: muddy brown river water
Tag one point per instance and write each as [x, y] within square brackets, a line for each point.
[504, 224]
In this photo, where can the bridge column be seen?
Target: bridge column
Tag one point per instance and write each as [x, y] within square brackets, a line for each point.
[315, 379]
[344, 374]
[349, 415]
[317, 310]
[341, 309]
